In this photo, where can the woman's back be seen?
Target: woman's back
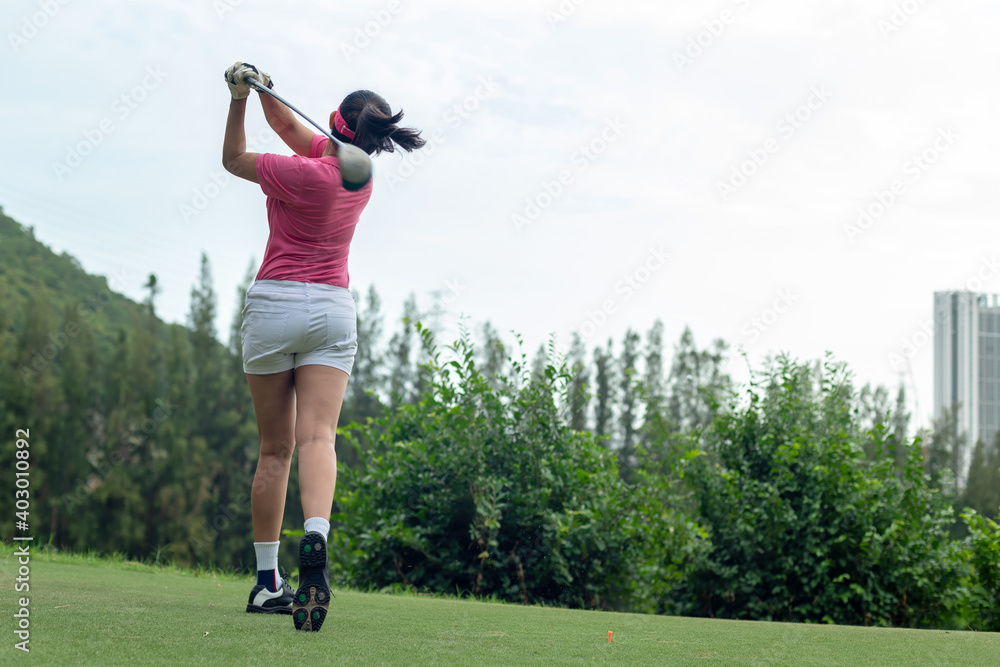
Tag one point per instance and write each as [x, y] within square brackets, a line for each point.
[310, 215]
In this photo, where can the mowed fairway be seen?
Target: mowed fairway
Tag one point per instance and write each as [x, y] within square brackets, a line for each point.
[94, 613]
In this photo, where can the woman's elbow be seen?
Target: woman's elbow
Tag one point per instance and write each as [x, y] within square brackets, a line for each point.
[229, 163]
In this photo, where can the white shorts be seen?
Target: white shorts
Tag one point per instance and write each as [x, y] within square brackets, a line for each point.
[287, 324]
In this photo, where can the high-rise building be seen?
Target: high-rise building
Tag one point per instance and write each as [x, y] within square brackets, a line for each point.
[967, 361]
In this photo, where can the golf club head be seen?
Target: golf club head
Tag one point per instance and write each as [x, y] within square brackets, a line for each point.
[355, 167]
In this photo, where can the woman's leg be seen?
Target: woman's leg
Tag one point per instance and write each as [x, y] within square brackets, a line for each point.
[319, 394]
[274, 403]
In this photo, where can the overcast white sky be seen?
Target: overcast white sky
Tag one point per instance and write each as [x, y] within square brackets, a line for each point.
[113, 115]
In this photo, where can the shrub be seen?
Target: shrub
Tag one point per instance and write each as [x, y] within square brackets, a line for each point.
[481, 488]
[803, 528]
[983, 552]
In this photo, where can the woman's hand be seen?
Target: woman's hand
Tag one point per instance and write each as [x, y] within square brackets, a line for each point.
[234, 76]
[255, 73]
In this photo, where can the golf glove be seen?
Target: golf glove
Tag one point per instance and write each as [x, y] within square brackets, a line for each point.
[234, 79]
[261, 76]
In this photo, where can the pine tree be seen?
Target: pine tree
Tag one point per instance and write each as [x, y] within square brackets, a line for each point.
[579, 391]
[605, 389]
[697, 380]
[71, 439]
[154, 290]
[236, 328]
[628, 390]
[205, 346]
[201, 317]
[402, 378]
[421, 373]
[493, 355]
[539, 362]
[365, 383]
[982, 488]
[656, 435]
[652, 381]
[872, 405]
[900, 428]
[945, 451]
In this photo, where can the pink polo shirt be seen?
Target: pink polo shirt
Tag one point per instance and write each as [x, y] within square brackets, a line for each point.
[310, 215]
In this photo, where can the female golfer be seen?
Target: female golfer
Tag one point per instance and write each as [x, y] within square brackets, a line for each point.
[299, 330]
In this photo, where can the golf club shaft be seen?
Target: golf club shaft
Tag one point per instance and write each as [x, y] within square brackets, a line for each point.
[256, 84]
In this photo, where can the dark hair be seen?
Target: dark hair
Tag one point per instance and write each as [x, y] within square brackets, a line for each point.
[374, 125]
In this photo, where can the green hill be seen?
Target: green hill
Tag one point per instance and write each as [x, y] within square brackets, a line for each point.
[31, 273]
[142, 432]
[86, 611]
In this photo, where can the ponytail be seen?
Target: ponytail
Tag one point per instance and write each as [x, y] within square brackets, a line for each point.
[375, 127]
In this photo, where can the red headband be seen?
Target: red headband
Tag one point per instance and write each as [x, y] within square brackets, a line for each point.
[341, 125]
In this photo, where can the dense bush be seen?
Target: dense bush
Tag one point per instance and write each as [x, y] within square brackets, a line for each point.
[983, 552]
[805, 528]
[481, 488]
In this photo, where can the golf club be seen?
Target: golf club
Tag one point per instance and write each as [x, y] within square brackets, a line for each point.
[355, 165]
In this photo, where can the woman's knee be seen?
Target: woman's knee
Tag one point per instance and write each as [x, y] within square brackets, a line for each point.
[316, 441]
[278, 449]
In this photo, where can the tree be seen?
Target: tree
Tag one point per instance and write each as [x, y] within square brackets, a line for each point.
[944, 452]
[201, 317]
[236, 328]
[579, 393]
[539, 362]
[206, 352]
[493, 355]
[900, 428]
[652, 381]
[605, 396]
[872, 406]
[628, 390]
[403, 377]
[366, 381]
[982, 488]
[74, 435]
[154, 290]
[696, 383]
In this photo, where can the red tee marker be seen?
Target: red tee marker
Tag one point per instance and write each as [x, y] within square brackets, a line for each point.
[609, 636]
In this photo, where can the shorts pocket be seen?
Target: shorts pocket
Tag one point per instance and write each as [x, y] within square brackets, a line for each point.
[264, 331]
[342, 330]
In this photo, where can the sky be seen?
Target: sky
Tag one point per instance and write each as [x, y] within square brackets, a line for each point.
[787, 175]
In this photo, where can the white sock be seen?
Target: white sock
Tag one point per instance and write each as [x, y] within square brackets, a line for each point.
[319, 525]
[267, 560]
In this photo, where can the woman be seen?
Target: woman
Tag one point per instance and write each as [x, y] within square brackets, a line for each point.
[299, 330]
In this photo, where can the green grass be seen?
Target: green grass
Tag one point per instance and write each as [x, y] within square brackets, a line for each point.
[87, 610]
